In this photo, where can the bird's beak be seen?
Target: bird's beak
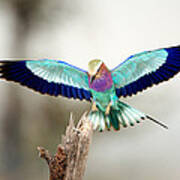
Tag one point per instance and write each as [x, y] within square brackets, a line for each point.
[92, 78]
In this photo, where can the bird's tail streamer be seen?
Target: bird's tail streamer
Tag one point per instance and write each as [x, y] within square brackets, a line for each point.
[121, 116]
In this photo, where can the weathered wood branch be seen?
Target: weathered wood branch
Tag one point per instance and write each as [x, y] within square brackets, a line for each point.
[70, 160]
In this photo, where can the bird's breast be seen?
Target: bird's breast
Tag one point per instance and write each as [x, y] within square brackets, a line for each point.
[102, 83]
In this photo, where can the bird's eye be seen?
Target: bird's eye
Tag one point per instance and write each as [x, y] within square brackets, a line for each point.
[98, 70]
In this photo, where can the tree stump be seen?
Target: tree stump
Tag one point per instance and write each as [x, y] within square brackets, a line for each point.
[70, 160]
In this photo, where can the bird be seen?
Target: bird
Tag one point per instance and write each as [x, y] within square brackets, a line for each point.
[99, 85]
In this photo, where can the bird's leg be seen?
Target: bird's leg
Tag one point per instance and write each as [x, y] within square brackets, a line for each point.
[108, 108]
[94, 107]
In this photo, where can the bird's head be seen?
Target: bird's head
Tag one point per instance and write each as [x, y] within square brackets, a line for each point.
[94, 67]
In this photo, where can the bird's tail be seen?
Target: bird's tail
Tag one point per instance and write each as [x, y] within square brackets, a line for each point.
[121, 116]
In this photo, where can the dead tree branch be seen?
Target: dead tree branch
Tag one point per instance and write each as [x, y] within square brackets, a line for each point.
[70, 160]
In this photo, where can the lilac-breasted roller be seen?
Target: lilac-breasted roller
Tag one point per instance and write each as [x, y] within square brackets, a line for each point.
[99, 85]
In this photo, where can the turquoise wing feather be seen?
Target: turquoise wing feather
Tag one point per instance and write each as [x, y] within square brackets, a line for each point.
[48, 77]
[145, 69]
[59, 72]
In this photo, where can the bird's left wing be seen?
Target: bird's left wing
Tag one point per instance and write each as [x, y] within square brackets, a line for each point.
[48, 77]
[145, 69]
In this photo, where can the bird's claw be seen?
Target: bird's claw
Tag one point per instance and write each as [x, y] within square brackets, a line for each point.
[108, 109]
[94, 107]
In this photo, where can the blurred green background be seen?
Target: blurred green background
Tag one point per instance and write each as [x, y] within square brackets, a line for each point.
[78, 31]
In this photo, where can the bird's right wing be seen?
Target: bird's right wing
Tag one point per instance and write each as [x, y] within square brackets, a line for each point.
[48, 77]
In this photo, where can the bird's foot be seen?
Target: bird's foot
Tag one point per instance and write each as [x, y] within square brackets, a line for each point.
[94, 107]
[108, 108]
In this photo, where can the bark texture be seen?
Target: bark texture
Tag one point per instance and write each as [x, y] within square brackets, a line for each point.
[70, 160]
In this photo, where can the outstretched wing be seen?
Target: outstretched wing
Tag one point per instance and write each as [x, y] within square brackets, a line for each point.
[48, 77]
[145, 69]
